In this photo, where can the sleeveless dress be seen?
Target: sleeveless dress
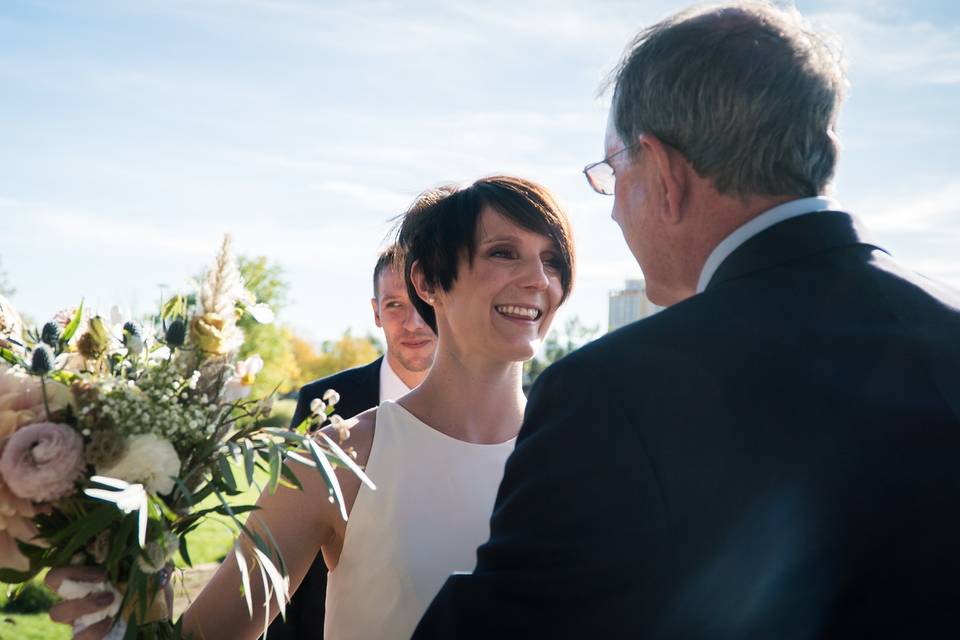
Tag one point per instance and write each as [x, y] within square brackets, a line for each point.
[429, 513]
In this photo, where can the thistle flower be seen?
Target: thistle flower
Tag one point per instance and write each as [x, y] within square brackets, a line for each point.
[41, 362]
[132, 339]
[50, 334]
[176, 333]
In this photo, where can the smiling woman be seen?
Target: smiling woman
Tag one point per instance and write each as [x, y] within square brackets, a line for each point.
[486, 266]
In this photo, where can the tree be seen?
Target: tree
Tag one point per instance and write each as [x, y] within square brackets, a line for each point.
[574, 335]
[334, 355]
[272, 342]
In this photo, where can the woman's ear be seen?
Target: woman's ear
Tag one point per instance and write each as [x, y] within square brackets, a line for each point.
[424, 291]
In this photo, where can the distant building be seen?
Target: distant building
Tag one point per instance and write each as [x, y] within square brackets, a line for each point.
[630, 304]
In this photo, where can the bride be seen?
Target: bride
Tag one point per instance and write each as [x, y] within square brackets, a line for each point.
[487, 266]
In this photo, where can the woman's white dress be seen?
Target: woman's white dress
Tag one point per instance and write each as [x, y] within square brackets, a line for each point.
[429, 513]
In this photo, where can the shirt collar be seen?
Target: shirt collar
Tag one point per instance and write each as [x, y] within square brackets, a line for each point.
[391, 386]
[764, 221]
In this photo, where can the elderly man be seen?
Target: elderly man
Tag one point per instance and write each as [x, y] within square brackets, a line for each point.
[775, 455]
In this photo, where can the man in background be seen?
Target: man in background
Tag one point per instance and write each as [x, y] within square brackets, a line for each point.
[410, 348]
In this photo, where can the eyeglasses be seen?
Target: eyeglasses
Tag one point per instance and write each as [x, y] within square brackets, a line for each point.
[601, 175]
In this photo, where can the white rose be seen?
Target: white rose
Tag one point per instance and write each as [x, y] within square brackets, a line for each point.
[149, 460]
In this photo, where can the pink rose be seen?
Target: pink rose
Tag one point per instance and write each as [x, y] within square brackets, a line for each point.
[40, 462]
[21, 399]
[16, 523]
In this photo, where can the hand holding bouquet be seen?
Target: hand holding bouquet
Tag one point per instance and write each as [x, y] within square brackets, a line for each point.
[112, 434]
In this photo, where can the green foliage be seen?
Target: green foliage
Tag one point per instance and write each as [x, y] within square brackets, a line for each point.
[274, 344]
[31, 597]
[334, 355]
[265, 281]
[271, 342]
[37, 626]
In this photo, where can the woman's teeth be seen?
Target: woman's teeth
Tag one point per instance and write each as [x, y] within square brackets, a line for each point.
[525, 313]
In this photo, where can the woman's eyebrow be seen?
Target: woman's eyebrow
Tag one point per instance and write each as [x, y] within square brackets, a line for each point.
[499, 238]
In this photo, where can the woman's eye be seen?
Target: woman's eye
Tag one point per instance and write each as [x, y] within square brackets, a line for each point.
[501, 253]
[553, 263]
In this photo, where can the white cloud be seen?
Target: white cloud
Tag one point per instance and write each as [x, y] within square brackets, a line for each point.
[895, 48]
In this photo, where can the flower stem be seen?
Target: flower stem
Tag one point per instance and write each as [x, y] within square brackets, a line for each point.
[46, 403]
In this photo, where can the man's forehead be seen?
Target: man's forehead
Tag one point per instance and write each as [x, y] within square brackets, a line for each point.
[611, 140]
[392, 284]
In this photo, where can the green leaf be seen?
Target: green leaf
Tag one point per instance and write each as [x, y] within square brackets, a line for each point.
[248, 463]
[226, 473]
[275, 463]
[183, 551]
[8, 355]
[73, 326]
[91, 525]
[290, 478]
[175, 307]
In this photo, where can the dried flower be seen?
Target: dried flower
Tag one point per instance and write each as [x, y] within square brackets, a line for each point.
[11, 327]
[149, 460]
[40, 462]
[206, 332]
[158, 553]
[89, 347]
[106, 448]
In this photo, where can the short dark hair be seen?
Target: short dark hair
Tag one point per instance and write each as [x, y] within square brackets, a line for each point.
[441, 226]
[389, 258]
[746, 91]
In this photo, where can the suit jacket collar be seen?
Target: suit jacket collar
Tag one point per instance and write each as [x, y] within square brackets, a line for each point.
[790, 240]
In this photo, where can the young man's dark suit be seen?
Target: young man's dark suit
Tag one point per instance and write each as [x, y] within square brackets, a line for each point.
[777, 457]
[359, 390]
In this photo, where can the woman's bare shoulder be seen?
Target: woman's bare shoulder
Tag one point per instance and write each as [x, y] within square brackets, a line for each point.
[358, 439]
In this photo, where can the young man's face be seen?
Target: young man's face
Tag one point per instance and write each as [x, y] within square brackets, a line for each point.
[410, 341]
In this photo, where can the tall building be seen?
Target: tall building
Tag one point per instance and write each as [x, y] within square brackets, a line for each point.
[630, 304]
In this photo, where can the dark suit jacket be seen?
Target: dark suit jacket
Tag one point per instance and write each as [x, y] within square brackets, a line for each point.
[777, 457]
[359, 390]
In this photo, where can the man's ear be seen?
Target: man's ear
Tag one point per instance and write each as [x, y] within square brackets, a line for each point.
[672, 176]
[424, 291]
[376, 312]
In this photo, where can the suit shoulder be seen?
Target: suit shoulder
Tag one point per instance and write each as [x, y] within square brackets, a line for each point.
[346, 379]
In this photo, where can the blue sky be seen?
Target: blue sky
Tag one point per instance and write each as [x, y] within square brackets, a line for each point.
[134, 134]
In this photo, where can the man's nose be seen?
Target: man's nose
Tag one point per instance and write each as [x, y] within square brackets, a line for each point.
[412, 320]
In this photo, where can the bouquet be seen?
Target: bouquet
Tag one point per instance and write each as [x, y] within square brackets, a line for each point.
[115, 434]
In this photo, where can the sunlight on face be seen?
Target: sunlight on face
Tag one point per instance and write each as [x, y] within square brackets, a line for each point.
[503, 303]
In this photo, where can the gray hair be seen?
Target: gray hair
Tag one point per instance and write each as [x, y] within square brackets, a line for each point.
[747, 92]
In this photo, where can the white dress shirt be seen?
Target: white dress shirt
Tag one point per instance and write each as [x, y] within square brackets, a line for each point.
[762, 222]
[391, 386]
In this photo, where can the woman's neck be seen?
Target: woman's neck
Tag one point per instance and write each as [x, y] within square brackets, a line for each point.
[475, 402]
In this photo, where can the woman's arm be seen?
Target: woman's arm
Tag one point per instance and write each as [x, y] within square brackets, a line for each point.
[301, 522]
